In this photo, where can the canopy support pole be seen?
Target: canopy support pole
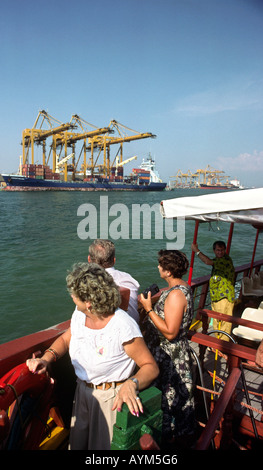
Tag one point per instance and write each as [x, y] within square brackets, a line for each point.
[193, 253]
[254, 252]
[230, 237]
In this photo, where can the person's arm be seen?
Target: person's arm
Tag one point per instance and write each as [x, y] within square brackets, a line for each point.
[148, 370]
[56, 350]
[259, 355]
[174, 307]
[201, 255]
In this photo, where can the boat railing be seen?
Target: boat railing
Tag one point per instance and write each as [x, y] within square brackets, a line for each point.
[200, 285]
[205, 314]
[219, 410]
[237, 355]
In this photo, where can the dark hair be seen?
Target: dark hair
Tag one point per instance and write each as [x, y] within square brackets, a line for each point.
[174, 261]
[219, 243]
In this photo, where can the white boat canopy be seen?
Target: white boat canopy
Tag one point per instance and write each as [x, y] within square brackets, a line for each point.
[239, 206]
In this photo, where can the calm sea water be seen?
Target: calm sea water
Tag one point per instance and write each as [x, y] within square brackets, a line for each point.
[39, 243]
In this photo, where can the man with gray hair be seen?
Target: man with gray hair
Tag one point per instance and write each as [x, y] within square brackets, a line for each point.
[102, 252]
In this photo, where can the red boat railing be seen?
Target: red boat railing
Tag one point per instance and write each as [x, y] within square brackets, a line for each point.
[236, 354]
[219, 410]
[205, 314]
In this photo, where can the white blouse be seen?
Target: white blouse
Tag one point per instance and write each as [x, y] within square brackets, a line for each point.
[98, 356]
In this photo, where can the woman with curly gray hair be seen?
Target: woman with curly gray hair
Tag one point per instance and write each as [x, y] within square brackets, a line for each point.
[166, 327]
[104, 344]
[89, 282]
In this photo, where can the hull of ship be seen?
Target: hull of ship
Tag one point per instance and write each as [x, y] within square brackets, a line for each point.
[217, 186]
[31, 184]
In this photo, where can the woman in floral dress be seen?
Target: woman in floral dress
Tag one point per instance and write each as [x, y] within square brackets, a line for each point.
[166, 330]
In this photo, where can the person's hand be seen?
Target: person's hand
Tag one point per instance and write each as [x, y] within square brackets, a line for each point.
[146, 303]
[194, 247]
[127, 394]
[37, 366]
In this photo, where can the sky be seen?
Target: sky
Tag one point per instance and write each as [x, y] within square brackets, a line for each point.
[188, 71]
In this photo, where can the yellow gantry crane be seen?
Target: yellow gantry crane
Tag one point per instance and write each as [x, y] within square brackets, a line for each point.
[102, 144]
[38, 136]
[210, 175]
[207, 175]
[185, 179]
[66, 135]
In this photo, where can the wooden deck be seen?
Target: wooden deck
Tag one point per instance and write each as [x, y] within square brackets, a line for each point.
[216, 373]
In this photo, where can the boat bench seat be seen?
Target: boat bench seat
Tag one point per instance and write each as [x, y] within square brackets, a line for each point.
[252, 286]
[252, 314]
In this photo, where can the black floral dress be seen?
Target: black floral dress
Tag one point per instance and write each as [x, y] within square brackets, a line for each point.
[175, 364]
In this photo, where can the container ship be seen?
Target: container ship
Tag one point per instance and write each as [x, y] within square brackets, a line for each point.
[42, 178]
[67, 173]
[207, 178]
[223, 186]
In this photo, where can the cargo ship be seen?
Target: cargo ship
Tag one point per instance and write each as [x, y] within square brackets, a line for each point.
[42, 178]
[206, 178]
[218, 186]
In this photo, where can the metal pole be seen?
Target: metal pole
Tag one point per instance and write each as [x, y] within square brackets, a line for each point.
[193, 253]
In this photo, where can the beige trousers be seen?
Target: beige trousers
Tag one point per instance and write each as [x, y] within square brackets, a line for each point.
[92, 419]
[226, 307]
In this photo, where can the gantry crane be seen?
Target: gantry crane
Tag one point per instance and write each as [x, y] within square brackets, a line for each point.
[65, 135]
[62, 135]
[210, 175]
[207, 175]
[39, 136]
[69, 139]
[184, 179]
[103, 143]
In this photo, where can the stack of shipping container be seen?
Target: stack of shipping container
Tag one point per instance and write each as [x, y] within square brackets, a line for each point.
[116, 174]
[39, 172]
[142, 175]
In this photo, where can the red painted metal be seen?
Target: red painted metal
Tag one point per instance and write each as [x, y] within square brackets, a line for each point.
[230, 235]
[254, 252]
[193, 254]
[231, 319]
[237, 351]
[19, 350]
[19, 380]
[225, 397]
[148, 443]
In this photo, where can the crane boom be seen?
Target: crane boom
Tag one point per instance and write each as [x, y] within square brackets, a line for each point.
[42, 135]
[84, 135]
[125, 161]
[118, 140]
[59, 163]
